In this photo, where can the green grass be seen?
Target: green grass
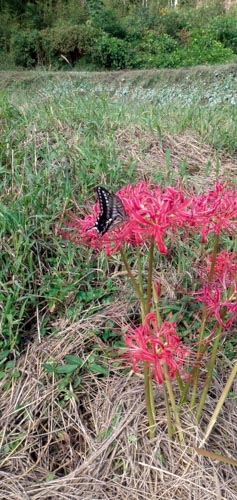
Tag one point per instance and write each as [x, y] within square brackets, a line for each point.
[58, 140]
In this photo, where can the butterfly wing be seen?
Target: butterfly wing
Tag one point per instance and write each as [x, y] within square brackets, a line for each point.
[104, 220]
[112, 211]
[117, 211]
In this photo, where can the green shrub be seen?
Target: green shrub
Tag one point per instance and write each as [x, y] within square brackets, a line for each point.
[74, 11]
[63, 39]
[26, 48]
[199, 18]
[165, 52]
[107, 21]
[71, 41]
[88, 37]
[7, 27]
[153, 43]
[153, 51]
[224, 29]
[111, 53]
[174, 21]
[169, 38]
[6, 62]
[142, 20]
[201, 49]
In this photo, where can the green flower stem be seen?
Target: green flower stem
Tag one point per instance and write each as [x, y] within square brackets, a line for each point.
[149, 396]
[201, 347]
[220, 402]
[200, 353]
[173, 404]
[149, 281]
[168, 415]
[194, 376]
[147, 310]
[211, 362]
[183, 398]
[209, 373]
[214, 256]
[149, 404]
[186, 387]
[156, 302]
[139, 266]
[179, 381]
[133, 280]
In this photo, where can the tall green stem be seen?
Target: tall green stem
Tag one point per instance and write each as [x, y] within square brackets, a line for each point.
[173, 404]
[169, 421]
[139, 267]
[147, 310]
[214, 256]
[209, 373]
[149, 397]
[201, 347]
[179, 381]
[133, 280]
[149, 280]
[149, 401]
[156, 302]
[213, 357]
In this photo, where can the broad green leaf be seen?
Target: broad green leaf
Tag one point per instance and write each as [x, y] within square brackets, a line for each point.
[74, 360]
[95, 368]
[66, 369]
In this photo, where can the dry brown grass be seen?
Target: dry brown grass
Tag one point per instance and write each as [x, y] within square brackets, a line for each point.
[148, 152]
[97, 444]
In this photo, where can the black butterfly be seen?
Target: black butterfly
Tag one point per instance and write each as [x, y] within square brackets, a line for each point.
[112, 212]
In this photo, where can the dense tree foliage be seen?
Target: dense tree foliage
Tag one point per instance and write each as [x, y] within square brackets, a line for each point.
[110, 34]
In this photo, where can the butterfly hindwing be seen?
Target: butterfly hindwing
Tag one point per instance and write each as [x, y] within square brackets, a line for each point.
[112, 211]
[103, 221]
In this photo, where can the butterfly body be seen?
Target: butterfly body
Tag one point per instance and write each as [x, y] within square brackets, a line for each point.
[112, 212]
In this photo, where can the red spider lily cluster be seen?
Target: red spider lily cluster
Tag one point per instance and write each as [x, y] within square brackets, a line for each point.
[211, 295]
[159, 213]
[215, 210]
[156, 346]
[225, 270]
[220, 294]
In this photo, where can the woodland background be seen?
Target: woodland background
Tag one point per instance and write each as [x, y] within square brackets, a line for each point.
[110, 34]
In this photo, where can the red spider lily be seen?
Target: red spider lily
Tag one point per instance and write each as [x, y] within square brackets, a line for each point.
[215, 210]
[156, 347]
[78, 233]
[224, 309]
[225, 270]
[151, 212]
[155, 212]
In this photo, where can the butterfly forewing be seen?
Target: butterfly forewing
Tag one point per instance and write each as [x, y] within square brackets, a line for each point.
[112, 211]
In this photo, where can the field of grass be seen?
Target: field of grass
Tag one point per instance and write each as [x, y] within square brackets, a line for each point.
[61, 135]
